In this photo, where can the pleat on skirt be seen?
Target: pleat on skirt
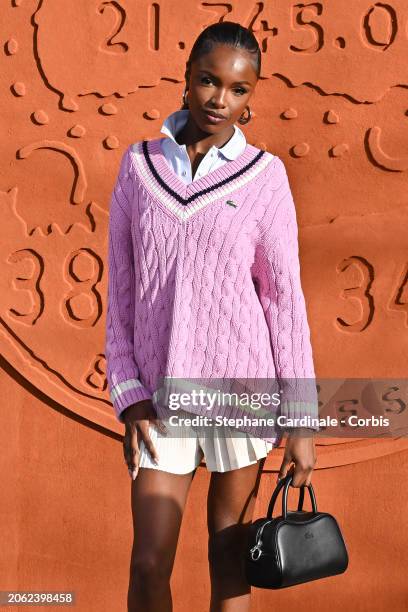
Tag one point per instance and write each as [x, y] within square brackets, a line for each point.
[183, 448]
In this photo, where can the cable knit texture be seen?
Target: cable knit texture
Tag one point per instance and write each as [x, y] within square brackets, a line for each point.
[204, 279]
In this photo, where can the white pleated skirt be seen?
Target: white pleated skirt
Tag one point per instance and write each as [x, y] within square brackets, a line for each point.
[184, 446]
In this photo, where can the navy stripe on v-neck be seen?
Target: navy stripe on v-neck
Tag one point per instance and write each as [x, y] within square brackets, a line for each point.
[185, 201]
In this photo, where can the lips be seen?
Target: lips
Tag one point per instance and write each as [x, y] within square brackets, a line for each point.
[213, 117]
[216, 115]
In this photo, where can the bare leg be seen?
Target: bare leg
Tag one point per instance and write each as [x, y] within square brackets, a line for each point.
[231, 501]
[158, 502]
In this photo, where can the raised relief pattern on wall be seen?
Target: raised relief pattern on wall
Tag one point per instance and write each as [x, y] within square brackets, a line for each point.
[84, 81]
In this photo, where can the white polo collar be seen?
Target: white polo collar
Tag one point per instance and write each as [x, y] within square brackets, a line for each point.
[176, 120]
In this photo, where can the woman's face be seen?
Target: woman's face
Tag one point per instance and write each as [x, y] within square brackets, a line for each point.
[221, 82]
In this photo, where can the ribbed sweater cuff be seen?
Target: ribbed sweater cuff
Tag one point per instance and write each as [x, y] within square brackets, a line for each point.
[126, 393]
[296, 410]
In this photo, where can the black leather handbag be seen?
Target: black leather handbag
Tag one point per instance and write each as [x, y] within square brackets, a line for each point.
[297, 547]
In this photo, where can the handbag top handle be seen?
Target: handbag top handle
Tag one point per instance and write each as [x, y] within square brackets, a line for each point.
[285, 482]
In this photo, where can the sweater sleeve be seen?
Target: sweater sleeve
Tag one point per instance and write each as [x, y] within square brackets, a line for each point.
[280, 293]
[123, 374]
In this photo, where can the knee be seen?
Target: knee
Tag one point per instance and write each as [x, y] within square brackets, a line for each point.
[150, 570]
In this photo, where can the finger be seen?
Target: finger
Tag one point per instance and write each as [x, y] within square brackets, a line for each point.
[135, 457]
[298, 479]
[301, 476]
[144, 433]
[132, 460]
[127, 451]
[283, 468]
[152, 450]
[160, 426]
[309, 478]
[132, 453]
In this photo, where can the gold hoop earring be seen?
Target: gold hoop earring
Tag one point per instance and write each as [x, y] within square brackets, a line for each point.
[243, 120]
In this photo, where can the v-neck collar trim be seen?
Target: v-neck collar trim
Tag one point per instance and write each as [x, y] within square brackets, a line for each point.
[186, 199]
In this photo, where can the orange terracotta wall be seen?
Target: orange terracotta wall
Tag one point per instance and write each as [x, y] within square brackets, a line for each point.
[79, 82]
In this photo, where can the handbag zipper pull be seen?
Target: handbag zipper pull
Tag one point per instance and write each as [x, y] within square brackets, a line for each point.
[256, 552]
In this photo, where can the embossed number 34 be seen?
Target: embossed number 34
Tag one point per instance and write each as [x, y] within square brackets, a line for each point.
[362, 293]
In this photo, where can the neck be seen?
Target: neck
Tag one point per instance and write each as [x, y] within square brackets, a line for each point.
[199, 142]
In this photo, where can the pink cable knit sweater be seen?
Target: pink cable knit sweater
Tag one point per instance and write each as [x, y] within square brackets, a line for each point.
[204, 282]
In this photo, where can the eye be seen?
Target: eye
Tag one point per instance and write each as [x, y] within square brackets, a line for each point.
[241, 90]
[205, 78]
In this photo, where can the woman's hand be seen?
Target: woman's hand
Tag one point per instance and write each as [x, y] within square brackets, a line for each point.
[137, 417]
[299, 449]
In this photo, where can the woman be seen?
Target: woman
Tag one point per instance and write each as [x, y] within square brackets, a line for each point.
[203, 282]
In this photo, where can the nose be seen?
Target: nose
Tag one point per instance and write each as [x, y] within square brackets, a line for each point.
[217, 100]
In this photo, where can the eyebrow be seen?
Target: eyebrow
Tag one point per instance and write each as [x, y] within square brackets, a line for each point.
[213, 75]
